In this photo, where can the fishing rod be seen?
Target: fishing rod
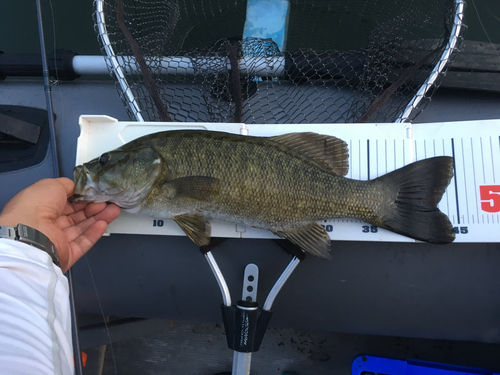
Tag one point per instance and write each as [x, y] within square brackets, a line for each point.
[55, 162]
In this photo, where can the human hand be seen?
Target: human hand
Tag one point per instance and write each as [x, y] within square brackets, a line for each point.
[72, 227]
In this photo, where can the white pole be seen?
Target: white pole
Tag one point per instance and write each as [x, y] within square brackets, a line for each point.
[183, 66]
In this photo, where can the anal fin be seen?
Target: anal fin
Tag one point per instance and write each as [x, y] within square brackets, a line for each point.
[196, 227]
[312, 238]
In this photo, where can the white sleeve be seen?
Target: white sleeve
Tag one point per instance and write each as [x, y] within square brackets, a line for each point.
[35, 319]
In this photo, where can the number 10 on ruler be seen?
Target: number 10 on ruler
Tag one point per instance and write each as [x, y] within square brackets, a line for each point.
[158, 223]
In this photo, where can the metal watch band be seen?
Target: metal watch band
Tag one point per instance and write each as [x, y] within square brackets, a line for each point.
[31, 236]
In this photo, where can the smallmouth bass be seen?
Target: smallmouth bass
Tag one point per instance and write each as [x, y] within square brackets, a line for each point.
[284, 184]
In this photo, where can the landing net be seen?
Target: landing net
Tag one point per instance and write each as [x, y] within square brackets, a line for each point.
[343, 61]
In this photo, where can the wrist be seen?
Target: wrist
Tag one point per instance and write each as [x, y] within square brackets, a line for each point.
[13, 220]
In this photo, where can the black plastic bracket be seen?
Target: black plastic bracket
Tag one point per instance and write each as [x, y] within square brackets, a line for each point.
[24, 137]
[245, 325]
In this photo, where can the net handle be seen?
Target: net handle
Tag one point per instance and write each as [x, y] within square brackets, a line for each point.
[440, 65]
[117, 69]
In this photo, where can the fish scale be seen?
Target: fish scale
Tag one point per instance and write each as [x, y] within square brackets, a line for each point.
[293, 191]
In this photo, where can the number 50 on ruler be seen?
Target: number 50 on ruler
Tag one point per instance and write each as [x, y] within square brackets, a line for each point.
[490, 198]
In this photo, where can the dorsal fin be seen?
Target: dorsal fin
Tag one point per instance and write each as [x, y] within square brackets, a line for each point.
[328, 152]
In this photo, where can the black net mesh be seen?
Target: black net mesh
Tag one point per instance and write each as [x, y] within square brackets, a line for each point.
[345, 61]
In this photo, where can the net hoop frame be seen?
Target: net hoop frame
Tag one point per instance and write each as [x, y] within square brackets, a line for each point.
[451, 47]
[117, 68]
[251, 65]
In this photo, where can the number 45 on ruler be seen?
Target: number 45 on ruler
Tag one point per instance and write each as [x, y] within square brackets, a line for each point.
[490, 198]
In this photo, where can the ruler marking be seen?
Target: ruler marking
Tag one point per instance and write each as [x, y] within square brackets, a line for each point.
[404, 154]
[368, 157]
[482, 159]
[385, 141]
[455, 174]
[425, 150]
[376, 155]
[359, 158]
[465, 180]
[415, 147]
[446, 191]
[394, 155]
[475, 182]
[492, 163]
[350, 158]
[494, 176]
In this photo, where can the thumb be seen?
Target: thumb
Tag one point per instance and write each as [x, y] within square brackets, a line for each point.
[67, 184]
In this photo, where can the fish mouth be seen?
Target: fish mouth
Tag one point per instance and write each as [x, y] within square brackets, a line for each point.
[83, 190]
[76, 198]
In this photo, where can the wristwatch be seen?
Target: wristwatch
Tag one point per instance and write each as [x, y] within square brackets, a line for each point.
[30, 236]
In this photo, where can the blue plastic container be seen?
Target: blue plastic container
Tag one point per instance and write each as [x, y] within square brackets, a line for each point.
[370, 364]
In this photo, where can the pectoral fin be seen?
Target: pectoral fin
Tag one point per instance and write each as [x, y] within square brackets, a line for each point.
[196, 227]
[312, 238]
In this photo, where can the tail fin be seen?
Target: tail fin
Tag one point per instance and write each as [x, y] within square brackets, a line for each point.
[420, 187]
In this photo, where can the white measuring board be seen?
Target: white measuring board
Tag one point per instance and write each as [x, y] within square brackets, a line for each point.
[471, 201]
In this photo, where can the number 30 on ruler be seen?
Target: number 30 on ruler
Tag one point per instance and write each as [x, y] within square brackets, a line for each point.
[490, 198]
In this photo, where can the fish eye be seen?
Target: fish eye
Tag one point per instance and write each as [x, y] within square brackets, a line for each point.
[104, 159]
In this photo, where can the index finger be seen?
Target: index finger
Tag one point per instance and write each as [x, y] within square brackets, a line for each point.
[74, 207]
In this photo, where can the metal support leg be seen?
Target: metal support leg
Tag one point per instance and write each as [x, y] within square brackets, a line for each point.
[245, 324]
